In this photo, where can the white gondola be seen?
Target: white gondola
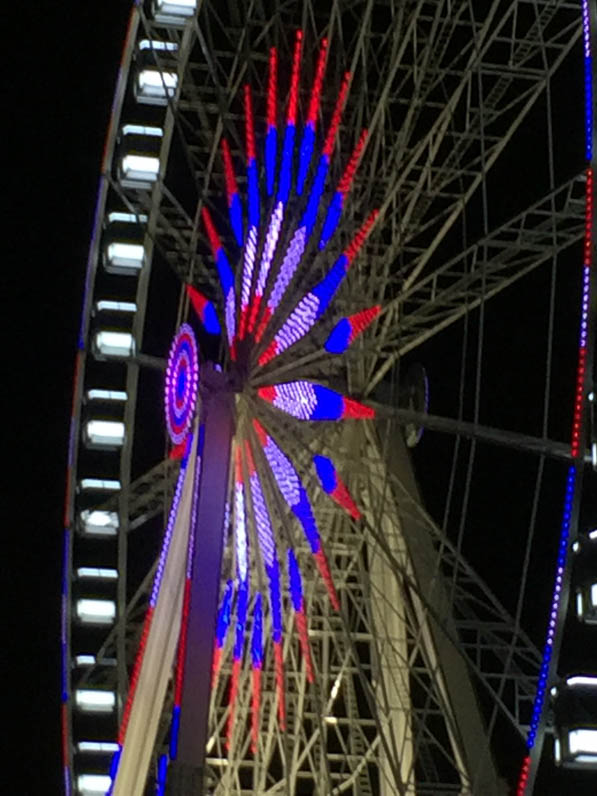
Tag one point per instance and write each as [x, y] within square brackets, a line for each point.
[99, 394]
[114, 344]
[575, 709]
[107, 305]
[98, 523]
[95, 700]
[158, 46]
[155, 86]
[84, 660]
[96, 612]
[138, 171]
[93, 784]
[104, 434]
[101, 747]
[102, 573]
[123, 258]
[99, 485]
[585, 576]
[173, 12]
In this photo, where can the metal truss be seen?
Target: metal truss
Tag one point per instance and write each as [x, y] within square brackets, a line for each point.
[393, 710]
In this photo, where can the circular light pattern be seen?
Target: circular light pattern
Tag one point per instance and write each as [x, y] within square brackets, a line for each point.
[182, 376]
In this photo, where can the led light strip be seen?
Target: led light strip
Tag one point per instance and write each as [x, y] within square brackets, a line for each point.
[530, 761]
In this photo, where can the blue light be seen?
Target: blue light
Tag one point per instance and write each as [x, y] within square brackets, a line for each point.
[114, 764]
[225, 272]
[286, 166]
[305, 154]
[242, 607]
[210, 319]
[330, 404]
[339, 338]
[253, 193]
[332, 218]
[588, 108]
[223, 622]
[325, 290]
[296, 585]
[236, 219]
[275, 601]
[304, 514]
[162, 773]
[174, 729]
[310, 214]
[257, 638]
[271, 148]
[326, 472]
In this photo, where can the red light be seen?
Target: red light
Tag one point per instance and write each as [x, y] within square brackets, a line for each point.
[249, 125]
[316, 90]
[212, 234]
[294, 80]
[271, 87]
[328, 146]
[279, 667]
[231, 188]
[349, 172]
[361, 236]
[255, 709]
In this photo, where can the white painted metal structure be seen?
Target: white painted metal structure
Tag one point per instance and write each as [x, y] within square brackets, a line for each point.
[444, 88]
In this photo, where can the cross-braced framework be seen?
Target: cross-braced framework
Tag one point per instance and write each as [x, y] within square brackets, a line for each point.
[422, 665]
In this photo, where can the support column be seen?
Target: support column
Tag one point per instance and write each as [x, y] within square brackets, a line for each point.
[186, 773]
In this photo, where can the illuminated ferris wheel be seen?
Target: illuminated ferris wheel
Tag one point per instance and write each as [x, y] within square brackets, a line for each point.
[299, 203]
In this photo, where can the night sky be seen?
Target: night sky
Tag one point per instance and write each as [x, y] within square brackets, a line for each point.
[56, 117]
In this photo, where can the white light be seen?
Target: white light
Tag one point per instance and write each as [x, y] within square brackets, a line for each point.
[593, 534]
[114, 344]
[96, 612]
[591, 396]
[575, 547]
[594, 454]
[126, 218]
[104, 573]
[581, 679]
[159, 46]
[99, 523]
[105, 395]
[93, 784]
[115, 306]
[95, 701]
[579, 605]
[583, 741]
[124, 258]
[330, 720]
[140, 129]
[336, 687]
[84, 660]
[155, 86]
[103, 484]
[139, 171]
[594, 595]
[97, 746]
[104, 433]
[556, 751]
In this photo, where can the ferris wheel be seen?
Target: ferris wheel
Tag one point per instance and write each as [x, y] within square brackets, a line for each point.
[306, 216]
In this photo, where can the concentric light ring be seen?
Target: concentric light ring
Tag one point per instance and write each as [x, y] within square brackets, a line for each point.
[180, 389]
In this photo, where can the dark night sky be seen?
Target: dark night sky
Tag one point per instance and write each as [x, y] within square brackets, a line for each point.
[57, 112]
